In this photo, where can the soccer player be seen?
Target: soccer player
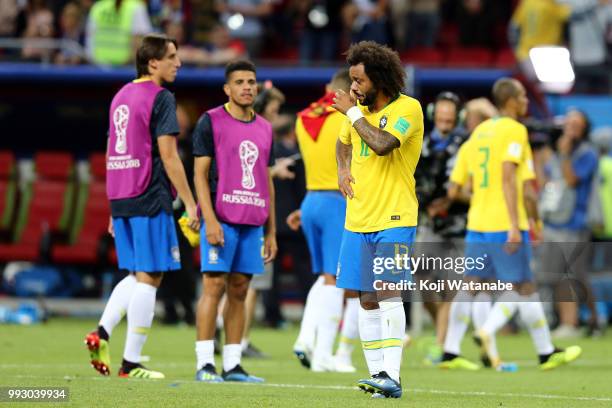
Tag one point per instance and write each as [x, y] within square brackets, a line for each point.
[142, 168]
[233, 150]
[377, 153]
[499, 162]
[322, 216]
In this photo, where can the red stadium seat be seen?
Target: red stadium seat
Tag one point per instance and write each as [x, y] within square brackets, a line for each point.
[505, 58]
[45, 209]
[97, 166]
[469, 57]
[54, 165]
[423, 56]
[86, 242]
[8, 192]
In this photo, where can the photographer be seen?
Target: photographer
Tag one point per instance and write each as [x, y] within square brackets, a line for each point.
[568, 175]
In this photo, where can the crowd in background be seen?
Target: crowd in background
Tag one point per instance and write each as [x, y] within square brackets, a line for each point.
[212, 32]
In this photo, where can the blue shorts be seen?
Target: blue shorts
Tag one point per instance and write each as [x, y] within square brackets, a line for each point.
[242, 252]
[498, 264]
[147, 244]
[323, 215]
[358, 267]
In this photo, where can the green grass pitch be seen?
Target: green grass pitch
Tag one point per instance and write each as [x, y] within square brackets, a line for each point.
[53, 354]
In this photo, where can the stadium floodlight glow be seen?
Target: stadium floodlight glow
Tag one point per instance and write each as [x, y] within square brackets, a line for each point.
[235, 21]
[318, 17]
[553, 68]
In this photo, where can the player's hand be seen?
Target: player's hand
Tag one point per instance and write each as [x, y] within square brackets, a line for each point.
[438, 206]
[343, 101]
[192, 215]
[536, 231]
[294, 220]
[214, 233]
[111, 229]
[270, 247]
[564, 145]
[344, 183]
[281, 171]
[513, 242]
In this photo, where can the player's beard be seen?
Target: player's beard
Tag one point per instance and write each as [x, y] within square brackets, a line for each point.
[370, 97]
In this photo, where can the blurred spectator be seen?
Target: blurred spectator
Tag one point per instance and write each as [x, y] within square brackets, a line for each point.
[588, 27]
[422, 23]
[38, 20]
[477, 111]
[203, 19]
[8, 17]
[569, 172]
[477, 20]
[169, 11]
[536, 23]
[368, 19]
[322, 22]
[71, 29]
[114, 29]
[244, 19]
[219, 51]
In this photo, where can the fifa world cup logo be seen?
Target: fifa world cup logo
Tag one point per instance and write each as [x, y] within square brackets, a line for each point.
[248, 156]
[121, 117]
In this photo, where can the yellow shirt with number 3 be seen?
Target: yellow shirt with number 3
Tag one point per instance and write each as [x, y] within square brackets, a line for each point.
[384, 185]
[492, 143]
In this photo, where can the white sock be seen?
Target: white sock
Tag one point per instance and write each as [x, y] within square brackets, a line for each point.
[501, 312]
[306, 337]
[117, 304]
[532, 314]
[480, 311]
[350, 328]
[393, 319]
[329, 318]
[458, 321]
[140, 317]
[231, 356]
[205, 353]
[370, 328]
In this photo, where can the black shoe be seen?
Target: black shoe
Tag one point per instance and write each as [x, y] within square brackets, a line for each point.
[253, 352]
[239, 375]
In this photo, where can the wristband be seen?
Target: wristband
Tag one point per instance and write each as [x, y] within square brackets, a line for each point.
[354, 114]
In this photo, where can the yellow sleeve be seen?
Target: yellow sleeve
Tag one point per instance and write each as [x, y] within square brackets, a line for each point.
[516, 144]
[460, 174]
[528, 168]
[345, 132]
[518, 16]
[563, 11]
[405, 121]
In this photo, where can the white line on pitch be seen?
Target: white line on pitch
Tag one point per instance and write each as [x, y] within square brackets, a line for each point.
[347, 388]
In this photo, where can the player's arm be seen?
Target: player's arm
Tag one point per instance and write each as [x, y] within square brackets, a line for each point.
[509, 170]
[176, 173]
[460, 178]
[270, 246]
[380, 141]
[344, 151]
[165, 130]
[203, 151]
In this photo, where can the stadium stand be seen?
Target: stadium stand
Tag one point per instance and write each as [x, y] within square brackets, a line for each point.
[90, 220]
[8, 193]
[45, 207]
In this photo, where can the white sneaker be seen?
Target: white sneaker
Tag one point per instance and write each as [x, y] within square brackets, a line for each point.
[565, 331]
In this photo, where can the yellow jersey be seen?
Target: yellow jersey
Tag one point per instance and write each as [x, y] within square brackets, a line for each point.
[319, 155]
[384, 189]
[540, 23]
[492, 143]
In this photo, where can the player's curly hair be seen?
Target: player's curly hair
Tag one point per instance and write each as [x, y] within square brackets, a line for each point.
[382, 65]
